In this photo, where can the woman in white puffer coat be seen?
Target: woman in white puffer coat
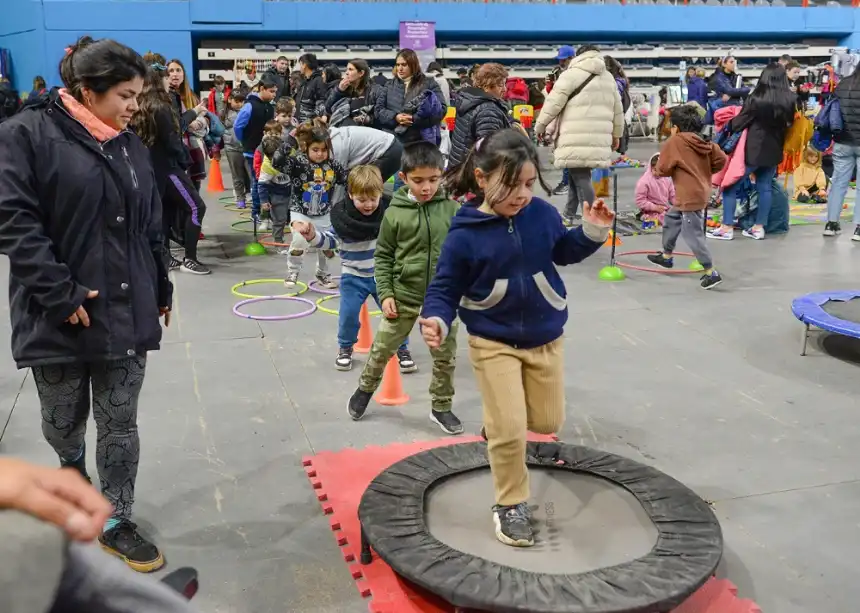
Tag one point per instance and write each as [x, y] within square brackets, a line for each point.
[586, 108]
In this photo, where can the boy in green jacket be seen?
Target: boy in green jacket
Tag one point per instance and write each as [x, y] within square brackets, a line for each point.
[410, 240]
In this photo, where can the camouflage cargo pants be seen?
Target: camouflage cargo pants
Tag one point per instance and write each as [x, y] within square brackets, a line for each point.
[389, 337]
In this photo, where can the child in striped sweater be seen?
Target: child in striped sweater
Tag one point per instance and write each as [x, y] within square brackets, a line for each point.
[355, 222]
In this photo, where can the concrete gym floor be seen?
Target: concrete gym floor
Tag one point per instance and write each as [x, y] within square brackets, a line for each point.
[706, 386]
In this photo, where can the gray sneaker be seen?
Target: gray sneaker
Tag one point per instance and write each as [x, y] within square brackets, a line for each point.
[513, 526]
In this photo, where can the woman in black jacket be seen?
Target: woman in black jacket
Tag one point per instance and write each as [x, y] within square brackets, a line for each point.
[158, 127]
[767, 115]
[408, 84]
[80, 221]
[350, 102]
[481, 111]
[311, 94]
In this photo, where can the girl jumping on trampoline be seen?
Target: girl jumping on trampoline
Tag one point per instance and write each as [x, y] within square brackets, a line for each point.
[498, 265]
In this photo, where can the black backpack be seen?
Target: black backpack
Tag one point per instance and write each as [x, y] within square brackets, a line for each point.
[9, 103]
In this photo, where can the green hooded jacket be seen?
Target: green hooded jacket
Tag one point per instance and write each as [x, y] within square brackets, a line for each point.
[409, 244]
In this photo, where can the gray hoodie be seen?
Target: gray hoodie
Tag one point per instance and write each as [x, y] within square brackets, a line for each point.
[356, 145]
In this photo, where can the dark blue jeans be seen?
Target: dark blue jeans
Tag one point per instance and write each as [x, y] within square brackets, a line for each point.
[764, 176]
[255, 195]
[353, 293]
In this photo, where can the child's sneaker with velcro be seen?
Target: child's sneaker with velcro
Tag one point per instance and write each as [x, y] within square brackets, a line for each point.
[661, 260]
[513, 526]
[343, 361]
[446, 420]
[407, 364]
[711, 280]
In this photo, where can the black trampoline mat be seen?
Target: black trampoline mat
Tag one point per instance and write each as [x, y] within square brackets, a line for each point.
[846, 310]
[582, 522]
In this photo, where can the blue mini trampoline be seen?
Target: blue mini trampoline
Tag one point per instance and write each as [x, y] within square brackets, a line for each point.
[837, 312]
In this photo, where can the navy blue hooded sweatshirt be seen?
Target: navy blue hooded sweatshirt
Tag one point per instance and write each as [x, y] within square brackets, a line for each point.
[501, 273]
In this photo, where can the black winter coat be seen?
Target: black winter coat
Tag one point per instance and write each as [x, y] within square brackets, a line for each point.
[393, 98]
[311, 97]
[360, 107]
[77, 215]
[168, 153]
[479, 114]
[282, 81]
[848, 92]
[766, 135]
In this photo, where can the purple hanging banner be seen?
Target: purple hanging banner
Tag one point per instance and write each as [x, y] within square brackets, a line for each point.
[420, 36]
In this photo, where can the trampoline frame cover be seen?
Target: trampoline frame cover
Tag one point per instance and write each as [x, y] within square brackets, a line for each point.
[808, 309]
[688, 549]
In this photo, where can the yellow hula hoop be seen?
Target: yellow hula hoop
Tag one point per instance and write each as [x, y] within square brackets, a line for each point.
[329, 311]
[303, 287]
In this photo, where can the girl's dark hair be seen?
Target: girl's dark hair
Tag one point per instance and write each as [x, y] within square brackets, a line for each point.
[239, 94]
[313, 132]
[614, 67]
[506, 152]
[686, 118]
[267, 81]
[359, 88]
[99, 65]
[39, 83]
[434, 67]
[411, 59]
[772, 96]
[585, 49]
[331, 73]
[310, 60]
[153, 99]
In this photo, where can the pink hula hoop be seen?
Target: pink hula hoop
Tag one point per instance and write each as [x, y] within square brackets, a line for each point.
[312, 308]
[661, 271]
[323, 291]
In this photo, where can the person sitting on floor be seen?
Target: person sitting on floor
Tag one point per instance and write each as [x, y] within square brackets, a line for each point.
[654, 195]
[810, 182]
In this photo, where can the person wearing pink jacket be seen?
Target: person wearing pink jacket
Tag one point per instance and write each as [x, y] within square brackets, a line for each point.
[654, 195]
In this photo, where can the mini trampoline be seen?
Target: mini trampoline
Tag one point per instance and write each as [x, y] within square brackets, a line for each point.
[837, 312]
[612, 535]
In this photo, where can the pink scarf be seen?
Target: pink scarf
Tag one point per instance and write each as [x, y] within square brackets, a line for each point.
[95, 126]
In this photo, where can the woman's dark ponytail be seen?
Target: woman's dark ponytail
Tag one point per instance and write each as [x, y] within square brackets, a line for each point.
[99, 65]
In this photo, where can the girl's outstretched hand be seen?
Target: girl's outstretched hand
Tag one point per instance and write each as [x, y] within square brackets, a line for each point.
[431, 331]
[597, 214]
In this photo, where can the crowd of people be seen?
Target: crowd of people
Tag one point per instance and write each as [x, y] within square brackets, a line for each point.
[464, 239]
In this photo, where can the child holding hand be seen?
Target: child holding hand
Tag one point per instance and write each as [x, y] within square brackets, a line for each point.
[413, 229]
[498, 271]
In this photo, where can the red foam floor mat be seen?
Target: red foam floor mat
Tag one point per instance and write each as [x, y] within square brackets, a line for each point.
[340, 478]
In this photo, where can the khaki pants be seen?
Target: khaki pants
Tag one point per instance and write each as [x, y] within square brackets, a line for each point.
[522, 390]
[392, 333]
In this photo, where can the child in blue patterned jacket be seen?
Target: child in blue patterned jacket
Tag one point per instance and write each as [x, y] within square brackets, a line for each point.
[498, 271]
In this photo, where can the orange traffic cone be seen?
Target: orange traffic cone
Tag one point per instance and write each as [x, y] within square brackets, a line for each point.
[612, 240]
[365, 332]
[391, 392]
[216, 181]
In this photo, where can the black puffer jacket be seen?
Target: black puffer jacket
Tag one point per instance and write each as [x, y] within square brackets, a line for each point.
[479, 114]
[393, 98]
[283, 82]
[848, 92]
[360, 107]
[311, 97]
[76, 215]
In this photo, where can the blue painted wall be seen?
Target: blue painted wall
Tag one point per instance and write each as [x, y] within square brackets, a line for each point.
[37, 31]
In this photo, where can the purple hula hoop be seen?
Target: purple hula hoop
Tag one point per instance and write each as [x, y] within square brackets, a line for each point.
[310, 311]
[320, 290]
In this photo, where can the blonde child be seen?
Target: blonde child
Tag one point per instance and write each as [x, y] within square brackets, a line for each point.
[810, 182]
[498, 272]
[313, 178]
[410, 240]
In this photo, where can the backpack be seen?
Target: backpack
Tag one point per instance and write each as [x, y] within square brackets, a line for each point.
[625, 99]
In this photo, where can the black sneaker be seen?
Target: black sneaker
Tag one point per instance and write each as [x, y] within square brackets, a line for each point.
[343, 361]
[195, 267]
[561, 189]
[832, 228]
[407, 364]
[513, 526]
[856, 236]
[124, 542]
[174, 263]
[447, 421]
[79, 465]
[358, 404]
[661, 260]
[710, 281]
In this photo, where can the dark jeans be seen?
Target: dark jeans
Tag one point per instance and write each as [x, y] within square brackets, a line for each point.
[353, 293]
[255, 195]
[184, 210]
[389, 162]
[764, 176]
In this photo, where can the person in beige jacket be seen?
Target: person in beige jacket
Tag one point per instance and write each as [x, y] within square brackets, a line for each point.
[586, 107]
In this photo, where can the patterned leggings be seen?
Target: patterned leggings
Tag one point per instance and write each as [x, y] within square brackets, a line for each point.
[64, 393]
